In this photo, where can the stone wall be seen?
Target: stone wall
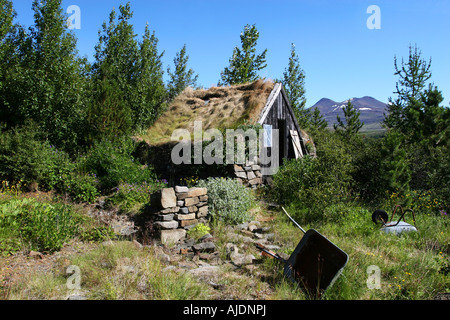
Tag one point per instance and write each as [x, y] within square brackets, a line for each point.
[249, 175]
[182, 208]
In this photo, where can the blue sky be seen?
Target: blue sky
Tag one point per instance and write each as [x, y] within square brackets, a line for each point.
[342, 58]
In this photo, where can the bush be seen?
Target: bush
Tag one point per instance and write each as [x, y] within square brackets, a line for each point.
[26, 158]
[113, 163]
[313, 184]
[81, 187]
[41, 226]
[228, 200]
[129, 195]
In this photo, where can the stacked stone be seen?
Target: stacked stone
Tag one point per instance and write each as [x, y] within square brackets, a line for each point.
[249, 175]
[182, 209]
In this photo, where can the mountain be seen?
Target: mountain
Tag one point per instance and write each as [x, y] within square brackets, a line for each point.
[371, 111]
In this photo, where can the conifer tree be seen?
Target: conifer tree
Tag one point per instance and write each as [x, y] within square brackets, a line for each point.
[181, 76]
[416, 111]
[413, 76]
[351, 125]
[316, 121]
[245, 63]
[294, 84]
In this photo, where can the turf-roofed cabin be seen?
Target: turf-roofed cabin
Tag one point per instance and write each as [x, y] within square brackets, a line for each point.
[259, 105]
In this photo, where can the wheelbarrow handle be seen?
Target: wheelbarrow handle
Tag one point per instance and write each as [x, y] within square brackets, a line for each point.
[402, 216]
[293, 221]
[269, 253]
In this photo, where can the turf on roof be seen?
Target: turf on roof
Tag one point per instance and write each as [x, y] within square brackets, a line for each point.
[217, 107]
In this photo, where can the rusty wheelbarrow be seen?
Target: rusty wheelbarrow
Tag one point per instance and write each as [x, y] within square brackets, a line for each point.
[315, 264]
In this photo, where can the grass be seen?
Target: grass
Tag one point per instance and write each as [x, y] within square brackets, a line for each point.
[217, 107]
[413, 266]
[116, 271]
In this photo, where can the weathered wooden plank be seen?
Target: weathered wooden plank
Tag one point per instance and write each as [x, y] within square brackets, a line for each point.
[270, 101]
[296, 142]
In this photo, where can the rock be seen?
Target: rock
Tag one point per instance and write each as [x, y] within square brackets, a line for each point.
[192, 209]
[170, 210]
[241, 175]
[248, 169]
[172, 236]
[256, 167]
[137, 244]
[203, 198]
[36, 255]
[191, 201]
[230, 248]
[161, 255]
[238, 259]
[250, 175]
[206, 237]
[258, 235]
[202, 212]
[180, 189]
[195, 192]
[180, 203]
[204, 247]
[242, 226]
[166, 217]
[205, 271]
[252, 227]
[167, 224]
[238, 168]
[255, 181]
[182, 196]
[184, 210]
[189, 216]
[185, 223]
[168, 198]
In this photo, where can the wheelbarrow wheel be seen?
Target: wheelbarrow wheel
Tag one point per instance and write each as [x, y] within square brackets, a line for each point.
[380, 216]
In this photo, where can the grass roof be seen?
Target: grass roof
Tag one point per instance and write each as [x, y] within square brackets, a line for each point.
[217, 107]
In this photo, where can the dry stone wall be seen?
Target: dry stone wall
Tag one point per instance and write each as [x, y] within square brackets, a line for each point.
[249, 175]
[182, 208]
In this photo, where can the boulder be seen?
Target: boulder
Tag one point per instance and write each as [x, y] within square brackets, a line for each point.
[172, 236]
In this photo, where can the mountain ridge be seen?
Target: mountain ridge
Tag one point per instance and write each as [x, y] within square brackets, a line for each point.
[371, 111]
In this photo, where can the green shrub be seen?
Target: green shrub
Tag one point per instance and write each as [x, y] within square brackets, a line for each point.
[313, 184]
[82, 187]
[41, 226]
[129, 195]
[198, 231]
[25, 157]
[228, 200]
[113, 163]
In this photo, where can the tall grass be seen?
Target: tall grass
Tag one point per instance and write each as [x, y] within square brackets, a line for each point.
[116, 271]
